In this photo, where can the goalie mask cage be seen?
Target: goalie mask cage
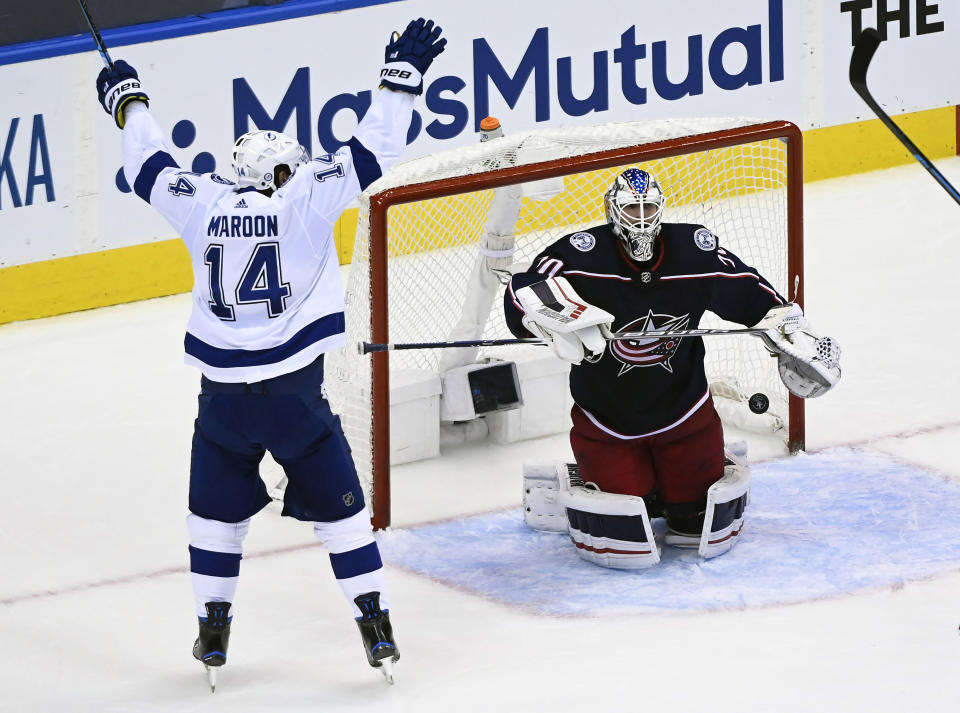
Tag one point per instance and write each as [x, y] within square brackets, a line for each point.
[423, 227]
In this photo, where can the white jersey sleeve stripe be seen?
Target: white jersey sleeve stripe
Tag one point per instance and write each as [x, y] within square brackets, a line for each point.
[327, 326]
[364, 163]
[149, 171]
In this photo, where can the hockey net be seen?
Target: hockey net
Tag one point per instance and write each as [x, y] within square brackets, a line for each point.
[425, 224]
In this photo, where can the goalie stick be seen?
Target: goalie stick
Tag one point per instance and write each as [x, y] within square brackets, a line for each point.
[101, 48]
[368, 347]
[863, 51]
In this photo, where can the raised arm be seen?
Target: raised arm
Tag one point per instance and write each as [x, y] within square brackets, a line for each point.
[382, 133]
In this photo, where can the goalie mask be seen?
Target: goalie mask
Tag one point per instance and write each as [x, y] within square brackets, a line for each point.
[634, 206]
[257, 154]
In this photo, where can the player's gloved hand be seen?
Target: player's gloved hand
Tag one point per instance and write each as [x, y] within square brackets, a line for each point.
[409, 55]
[809, 364]
[118, 87]
[555, 312]
[573, 347]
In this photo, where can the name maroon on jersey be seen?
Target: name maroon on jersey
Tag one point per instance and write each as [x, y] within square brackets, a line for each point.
[642, 386]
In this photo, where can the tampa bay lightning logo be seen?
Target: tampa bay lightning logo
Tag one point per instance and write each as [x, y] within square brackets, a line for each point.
[583, 242]
[655, 351]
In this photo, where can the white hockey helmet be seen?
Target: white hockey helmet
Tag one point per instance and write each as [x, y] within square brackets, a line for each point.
[257, 154]
[634, 207]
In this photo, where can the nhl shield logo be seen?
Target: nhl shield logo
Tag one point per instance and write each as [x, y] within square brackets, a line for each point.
[705, 240]
[348, 499]
[583, 242]
[655, 351]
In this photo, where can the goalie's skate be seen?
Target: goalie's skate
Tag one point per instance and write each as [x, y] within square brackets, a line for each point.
[210, 648]
[377, 634]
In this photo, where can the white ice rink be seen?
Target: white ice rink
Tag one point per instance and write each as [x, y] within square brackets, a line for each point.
[96, 610]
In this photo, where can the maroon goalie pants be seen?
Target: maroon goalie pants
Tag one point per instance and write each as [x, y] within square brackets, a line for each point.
[679, 464]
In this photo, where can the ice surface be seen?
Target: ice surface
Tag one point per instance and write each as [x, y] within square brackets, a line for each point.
[818, 525]
[843, 596]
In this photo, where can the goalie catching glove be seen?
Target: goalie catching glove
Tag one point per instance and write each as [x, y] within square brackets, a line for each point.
[809, 365]
[554, 312]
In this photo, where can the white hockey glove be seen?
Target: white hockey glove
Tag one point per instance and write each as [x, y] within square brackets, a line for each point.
[809, 364]
[117, 87]
[554, 312]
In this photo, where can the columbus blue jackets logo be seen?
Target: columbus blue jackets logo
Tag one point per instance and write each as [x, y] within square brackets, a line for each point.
[583, 242]
[655, 351]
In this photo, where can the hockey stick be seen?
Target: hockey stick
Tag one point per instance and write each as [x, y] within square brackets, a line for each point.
[863, 51]
[101, 48]
[367, 347]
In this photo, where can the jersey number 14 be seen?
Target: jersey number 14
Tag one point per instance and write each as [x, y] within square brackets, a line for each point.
[262, 281]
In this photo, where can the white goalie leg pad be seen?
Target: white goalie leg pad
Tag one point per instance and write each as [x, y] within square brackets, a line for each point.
[541, 489]
[735, 452]
[726, 501]
[609, 530]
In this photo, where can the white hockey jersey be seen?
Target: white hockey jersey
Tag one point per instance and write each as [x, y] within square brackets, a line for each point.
[267, 294]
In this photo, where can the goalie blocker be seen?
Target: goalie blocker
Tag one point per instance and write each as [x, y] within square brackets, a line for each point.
[555, 312]
[614, 530]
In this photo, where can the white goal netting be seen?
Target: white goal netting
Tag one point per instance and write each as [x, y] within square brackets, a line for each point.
[444, 248]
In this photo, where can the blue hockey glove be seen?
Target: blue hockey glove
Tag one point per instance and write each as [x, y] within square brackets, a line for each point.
[118, 87]
[410, 54]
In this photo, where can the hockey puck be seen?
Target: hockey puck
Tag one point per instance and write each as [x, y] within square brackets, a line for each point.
[759, 403]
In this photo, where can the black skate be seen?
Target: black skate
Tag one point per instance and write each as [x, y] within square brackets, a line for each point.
[210, 648]
[377, 634]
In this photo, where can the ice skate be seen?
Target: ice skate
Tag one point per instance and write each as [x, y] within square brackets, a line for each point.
[210, 648]
[377, 634]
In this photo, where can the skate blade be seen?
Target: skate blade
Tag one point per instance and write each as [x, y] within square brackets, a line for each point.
[386, 668]
[211, 678]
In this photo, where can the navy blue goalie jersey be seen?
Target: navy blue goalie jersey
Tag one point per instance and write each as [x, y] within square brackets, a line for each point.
[643, 387]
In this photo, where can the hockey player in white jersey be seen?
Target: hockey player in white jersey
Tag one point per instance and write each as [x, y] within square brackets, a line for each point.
[267, 305]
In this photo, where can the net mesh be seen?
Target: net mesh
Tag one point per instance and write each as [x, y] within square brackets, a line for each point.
[434, 246]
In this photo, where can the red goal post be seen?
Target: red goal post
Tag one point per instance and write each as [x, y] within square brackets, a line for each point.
[763, 182]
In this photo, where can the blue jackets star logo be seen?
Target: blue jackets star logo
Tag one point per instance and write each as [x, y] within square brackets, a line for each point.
[654, 351]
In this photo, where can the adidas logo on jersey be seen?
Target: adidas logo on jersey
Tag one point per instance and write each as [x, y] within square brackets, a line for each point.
[241, 204]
